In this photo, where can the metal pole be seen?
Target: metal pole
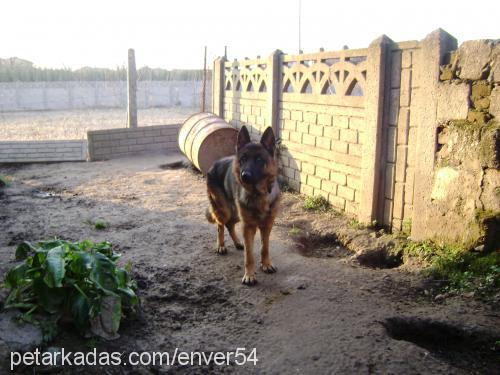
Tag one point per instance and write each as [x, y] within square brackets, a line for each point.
[300, 26]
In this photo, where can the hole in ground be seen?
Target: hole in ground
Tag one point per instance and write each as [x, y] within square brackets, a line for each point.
[316, 245]
[380, 258]
[462, 348]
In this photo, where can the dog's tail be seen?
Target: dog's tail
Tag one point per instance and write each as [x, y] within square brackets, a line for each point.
[210, 216]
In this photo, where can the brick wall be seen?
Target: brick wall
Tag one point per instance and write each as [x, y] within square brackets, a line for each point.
[42, 151]
[241, 110]
[113, 143]
[322, 154]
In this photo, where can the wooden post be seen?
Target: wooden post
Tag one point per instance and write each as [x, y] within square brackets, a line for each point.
[204, 89]
[132, 90]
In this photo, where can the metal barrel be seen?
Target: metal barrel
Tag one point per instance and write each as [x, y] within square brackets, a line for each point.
[205, 138]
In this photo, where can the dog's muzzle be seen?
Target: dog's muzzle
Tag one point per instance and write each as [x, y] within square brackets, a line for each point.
[246, 177]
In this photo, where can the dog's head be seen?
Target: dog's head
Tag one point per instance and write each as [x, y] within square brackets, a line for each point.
[255, 166]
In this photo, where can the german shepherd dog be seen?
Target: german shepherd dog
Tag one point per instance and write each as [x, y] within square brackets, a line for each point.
[244, 188]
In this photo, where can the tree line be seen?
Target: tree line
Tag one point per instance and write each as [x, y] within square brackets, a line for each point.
[15, 69]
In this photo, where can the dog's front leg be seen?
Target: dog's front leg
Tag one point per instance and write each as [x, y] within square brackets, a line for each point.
[265, 260]
[249, 234]
[221, 249]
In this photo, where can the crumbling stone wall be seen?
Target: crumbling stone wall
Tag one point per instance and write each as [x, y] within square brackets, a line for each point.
[464, 203]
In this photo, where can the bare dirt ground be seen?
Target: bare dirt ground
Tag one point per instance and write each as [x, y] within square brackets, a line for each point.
[321, 313]
[74, 124]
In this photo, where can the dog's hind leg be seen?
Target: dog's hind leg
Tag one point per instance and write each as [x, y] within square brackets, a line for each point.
[219, 213]
[232, 232]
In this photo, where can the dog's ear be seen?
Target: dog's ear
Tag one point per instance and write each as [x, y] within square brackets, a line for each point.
[243, 138]
[268, 140]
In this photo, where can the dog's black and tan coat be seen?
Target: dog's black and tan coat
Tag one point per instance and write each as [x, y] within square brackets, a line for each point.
[244, 188]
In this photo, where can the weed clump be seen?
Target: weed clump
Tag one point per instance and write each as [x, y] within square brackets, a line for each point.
[461, 270]
[316, 204]
[100, 224]
[294, 231]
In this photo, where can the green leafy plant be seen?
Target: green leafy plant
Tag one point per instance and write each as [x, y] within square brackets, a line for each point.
[77, 282]
[316, 204]
[4, 181]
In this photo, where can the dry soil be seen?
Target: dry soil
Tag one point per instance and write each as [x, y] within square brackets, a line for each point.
[320, 313]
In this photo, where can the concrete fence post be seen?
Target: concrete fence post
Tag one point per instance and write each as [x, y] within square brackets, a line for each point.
[432, 52]
[132, 90]
[273, 91]
[378, 62]
[218, 87]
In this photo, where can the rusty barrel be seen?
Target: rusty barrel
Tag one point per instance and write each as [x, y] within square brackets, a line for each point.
[205, 138]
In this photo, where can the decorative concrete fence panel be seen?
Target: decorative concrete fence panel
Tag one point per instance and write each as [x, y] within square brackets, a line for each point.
[325, 111]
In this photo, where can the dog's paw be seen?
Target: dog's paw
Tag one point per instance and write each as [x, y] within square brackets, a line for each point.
[221, 250]
[268, 268]
[239, 246]
[249, 280]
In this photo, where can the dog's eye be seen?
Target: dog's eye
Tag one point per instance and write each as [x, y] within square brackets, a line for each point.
[243, 159]
[260, 160]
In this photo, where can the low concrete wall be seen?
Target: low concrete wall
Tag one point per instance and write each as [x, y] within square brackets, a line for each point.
[113, 143]
[42, 151]
[41, 96]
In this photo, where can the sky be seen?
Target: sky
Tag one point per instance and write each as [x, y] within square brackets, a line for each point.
[172, 34]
